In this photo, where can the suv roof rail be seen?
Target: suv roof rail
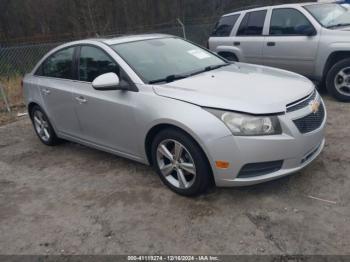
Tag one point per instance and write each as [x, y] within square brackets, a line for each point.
[246, 8]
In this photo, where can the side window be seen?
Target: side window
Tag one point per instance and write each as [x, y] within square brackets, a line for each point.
[94, 62]
[58, 65]
[252, 24]
[225, 25]
[289, 22]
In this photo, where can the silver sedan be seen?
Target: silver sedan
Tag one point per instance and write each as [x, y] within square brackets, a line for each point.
[166, 102]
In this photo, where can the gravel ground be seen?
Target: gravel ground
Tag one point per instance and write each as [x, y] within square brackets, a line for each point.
[74, 200]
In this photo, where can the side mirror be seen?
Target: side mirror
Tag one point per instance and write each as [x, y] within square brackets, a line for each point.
[306, 30]
[310, 32]
[108, 81]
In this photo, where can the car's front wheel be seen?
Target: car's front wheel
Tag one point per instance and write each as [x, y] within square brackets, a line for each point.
[181, 163]
[338, 80]
[43, 127]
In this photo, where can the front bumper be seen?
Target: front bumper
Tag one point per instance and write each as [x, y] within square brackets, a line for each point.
[296, 150]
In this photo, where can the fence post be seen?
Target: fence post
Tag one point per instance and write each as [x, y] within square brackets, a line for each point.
[3, 94]
[183, 27]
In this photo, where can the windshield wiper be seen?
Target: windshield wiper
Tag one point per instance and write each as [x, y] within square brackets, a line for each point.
[172, 78]
[210, 68]
[338, 25]
[168, 79]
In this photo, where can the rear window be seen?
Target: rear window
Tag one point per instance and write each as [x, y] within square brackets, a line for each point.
[252, 24]
[225, 25]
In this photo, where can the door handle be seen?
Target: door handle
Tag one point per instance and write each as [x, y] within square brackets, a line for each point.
[46, 91]
[236, 43]
[271, 43]
[81, 99]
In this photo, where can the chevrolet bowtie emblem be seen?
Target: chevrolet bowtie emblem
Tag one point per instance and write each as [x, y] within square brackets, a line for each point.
[315, 106]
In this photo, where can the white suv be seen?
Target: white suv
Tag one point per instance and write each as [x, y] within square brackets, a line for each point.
[311, 39]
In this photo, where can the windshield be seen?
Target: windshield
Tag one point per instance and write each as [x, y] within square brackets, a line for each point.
[330, 15]
[166, 59]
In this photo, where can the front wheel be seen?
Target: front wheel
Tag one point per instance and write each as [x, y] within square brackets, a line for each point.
[338, 80]
[180, 163]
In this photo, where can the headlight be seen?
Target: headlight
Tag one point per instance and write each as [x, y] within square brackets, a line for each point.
[247, 125]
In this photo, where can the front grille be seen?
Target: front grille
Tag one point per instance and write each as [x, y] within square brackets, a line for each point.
[311, 122]
[302, 103]
[260, 169]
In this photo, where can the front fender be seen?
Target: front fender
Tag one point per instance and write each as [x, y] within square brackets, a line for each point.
[201, 125]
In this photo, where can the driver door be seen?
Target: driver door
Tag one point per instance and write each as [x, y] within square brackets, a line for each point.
[106, 117]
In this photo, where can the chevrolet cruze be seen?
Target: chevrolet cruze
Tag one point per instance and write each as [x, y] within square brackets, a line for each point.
[166, 102]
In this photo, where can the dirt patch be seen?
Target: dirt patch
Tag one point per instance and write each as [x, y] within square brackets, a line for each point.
[71, 199]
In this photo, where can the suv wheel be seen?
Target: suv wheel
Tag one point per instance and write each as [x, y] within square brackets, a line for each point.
[43, 127]
[229, 57]
[338, 80]
[180, 163]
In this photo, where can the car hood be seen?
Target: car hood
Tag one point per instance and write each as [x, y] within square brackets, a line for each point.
[240, 87]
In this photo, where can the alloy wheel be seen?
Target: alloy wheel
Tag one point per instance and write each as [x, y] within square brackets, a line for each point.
[176, 164]
[41, 125]
[342, 81]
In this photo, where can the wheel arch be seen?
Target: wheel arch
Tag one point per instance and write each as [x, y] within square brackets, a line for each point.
[222, 50]
[334, 58]
[30, 107]
[151, 134]
[226, 54]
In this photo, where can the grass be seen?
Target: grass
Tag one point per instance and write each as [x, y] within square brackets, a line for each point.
[13, 91]
[14, 94]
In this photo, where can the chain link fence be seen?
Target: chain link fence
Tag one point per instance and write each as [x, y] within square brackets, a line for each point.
[17, 60]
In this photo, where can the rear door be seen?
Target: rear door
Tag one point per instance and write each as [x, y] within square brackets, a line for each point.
[221, 39]
[292, 42]
[55, 79]
[249, 37]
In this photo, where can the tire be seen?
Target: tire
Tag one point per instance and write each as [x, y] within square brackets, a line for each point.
[194, 184]
[43, 127]
[337, 77]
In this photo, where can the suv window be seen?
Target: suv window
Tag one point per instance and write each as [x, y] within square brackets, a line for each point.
[289, 21]
[252, 24]
[58, 65]
[225, 25]
[94, 62]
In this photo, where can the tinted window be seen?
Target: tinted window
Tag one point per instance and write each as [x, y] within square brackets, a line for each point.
[58, 65]
[288, 22]
[94, 62]
[225, 25]
[252, 23]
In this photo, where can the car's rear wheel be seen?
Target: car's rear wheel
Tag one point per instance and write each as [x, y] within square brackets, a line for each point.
[180, 163]
[43, 127]
[338, 80]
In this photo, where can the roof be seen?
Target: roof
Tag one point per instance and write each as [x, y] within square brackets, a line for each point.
[253, 8]
[130, 38]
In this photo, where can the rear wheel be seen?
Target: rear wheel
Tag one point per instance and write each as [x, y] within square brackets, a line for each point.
[43, 127]
[180, 163]
[338, 80]
[229, 56]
